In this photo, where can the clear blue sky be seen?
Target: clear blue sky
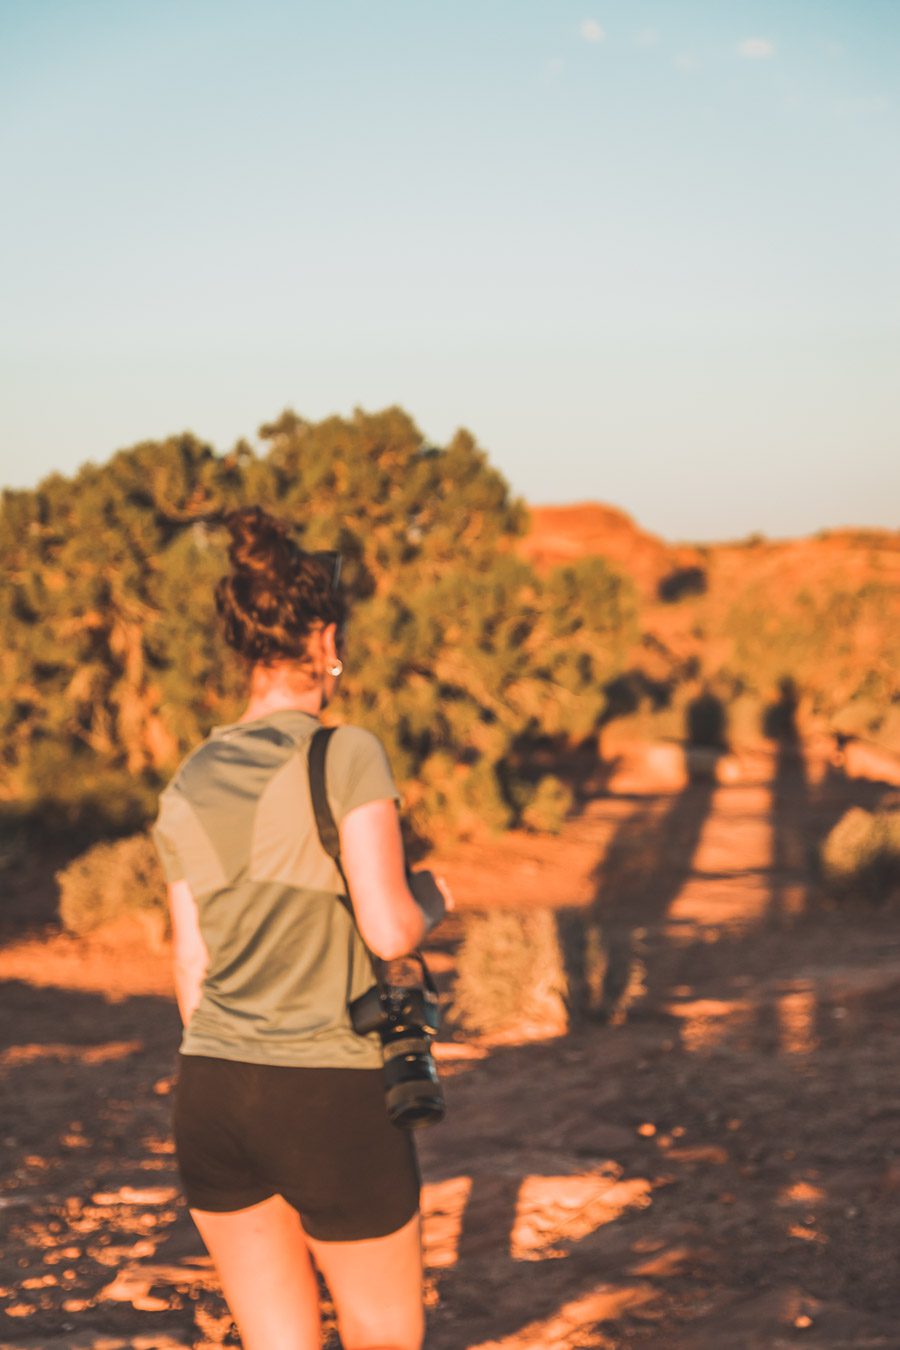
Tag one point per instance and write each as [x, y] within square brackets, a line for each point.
[646, 250]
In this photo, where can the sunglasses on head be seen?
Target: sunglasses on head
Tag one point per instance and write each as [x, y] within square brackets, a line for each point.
[331, 560]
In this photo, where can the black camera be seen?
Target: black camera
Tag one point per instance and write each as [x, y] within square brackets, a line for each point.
[406, 1018]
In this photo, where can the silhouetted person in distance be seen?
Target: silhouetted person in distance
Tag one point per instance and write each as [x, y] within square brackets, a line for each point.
[705, 721]
[705, 735]
[780, 717]
[790, 809]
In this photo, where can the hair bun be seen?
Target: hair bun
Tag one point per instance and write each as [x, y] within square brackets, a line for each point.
[275, 590]
[260, 544]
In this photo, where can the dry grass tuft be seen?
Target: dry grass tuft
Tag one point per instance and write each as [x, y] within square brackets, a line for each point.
[511, 973]
[110, 881]
[861, 856]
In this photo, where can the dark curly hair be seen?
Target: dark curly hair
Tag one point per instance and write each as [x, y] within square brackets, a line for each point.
[275, 592]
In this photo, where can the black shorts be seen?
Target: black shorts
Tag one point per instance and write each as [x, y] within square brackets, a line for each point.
[320, 1138]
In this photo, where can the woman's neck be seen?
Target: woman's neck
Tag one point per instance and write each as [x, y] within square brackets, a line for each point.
[274, 689]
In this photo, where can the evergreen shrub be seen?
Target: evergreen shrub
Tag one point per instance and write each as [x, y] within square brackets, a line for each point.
[548, 808]
[460, 656]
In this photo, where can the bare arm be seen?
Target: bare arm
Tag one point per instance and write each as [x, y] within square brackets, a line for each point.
[391, 919]
[189, 950]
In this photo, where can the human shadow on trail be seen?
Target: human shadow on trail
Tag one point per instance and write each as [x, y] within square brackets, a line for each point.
[706, 722]
[610, 952]
[802, 815]
[790, 806]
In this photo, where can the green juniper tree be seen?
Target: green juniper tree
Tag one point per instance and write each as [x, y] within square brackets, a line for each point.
[461, 656]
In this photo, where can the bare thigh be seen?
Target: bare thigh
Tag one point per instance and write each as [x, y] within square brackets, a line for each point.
[376, 1284]
[263, 1262]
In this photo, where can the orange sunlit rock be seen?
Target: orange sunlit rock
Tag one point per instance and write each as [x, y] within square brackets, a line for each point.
[562, 533]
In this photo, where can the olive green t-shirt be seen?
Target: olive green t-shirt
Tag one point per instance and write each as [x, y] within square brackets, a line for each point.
[285, 955]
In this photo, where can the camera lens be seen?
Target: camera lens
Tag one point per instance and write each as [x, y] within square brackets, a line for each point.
[413, 1093]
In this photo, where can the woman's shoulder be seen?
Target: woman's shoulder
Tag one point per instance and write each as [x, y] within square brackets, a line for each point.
[350, 738]
[358, 768]
[352, 748]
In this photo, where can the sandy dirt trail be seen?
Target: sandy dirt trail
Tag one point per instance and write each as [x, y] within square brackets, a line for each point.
[714, 1167]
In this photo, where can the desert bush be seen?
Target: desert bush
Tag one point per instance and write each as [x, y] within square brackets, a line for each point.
[511, 973]
[838, 643]
[861, 856]
[460, 656]
[112, 879]
[547, 810]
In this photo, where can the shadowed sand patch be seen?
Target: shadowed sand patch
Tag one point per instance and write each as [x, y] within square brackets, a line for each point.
[577, 1324]
[772, 1319]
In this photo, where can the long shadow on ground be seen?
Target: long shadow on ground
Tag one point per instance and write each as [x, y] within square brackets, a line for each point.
[767, 1145]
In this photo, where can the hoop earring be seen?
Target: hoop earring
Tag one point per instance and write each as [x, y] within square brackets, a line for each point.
[336, 668]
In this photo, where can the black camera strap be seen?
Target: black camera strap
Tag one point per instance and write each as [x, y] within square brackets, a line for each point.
[325, 822]
[331, 841]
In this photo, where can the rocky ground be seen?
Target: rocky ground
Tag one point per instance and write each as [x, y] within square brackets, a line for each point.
[716, 1166]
